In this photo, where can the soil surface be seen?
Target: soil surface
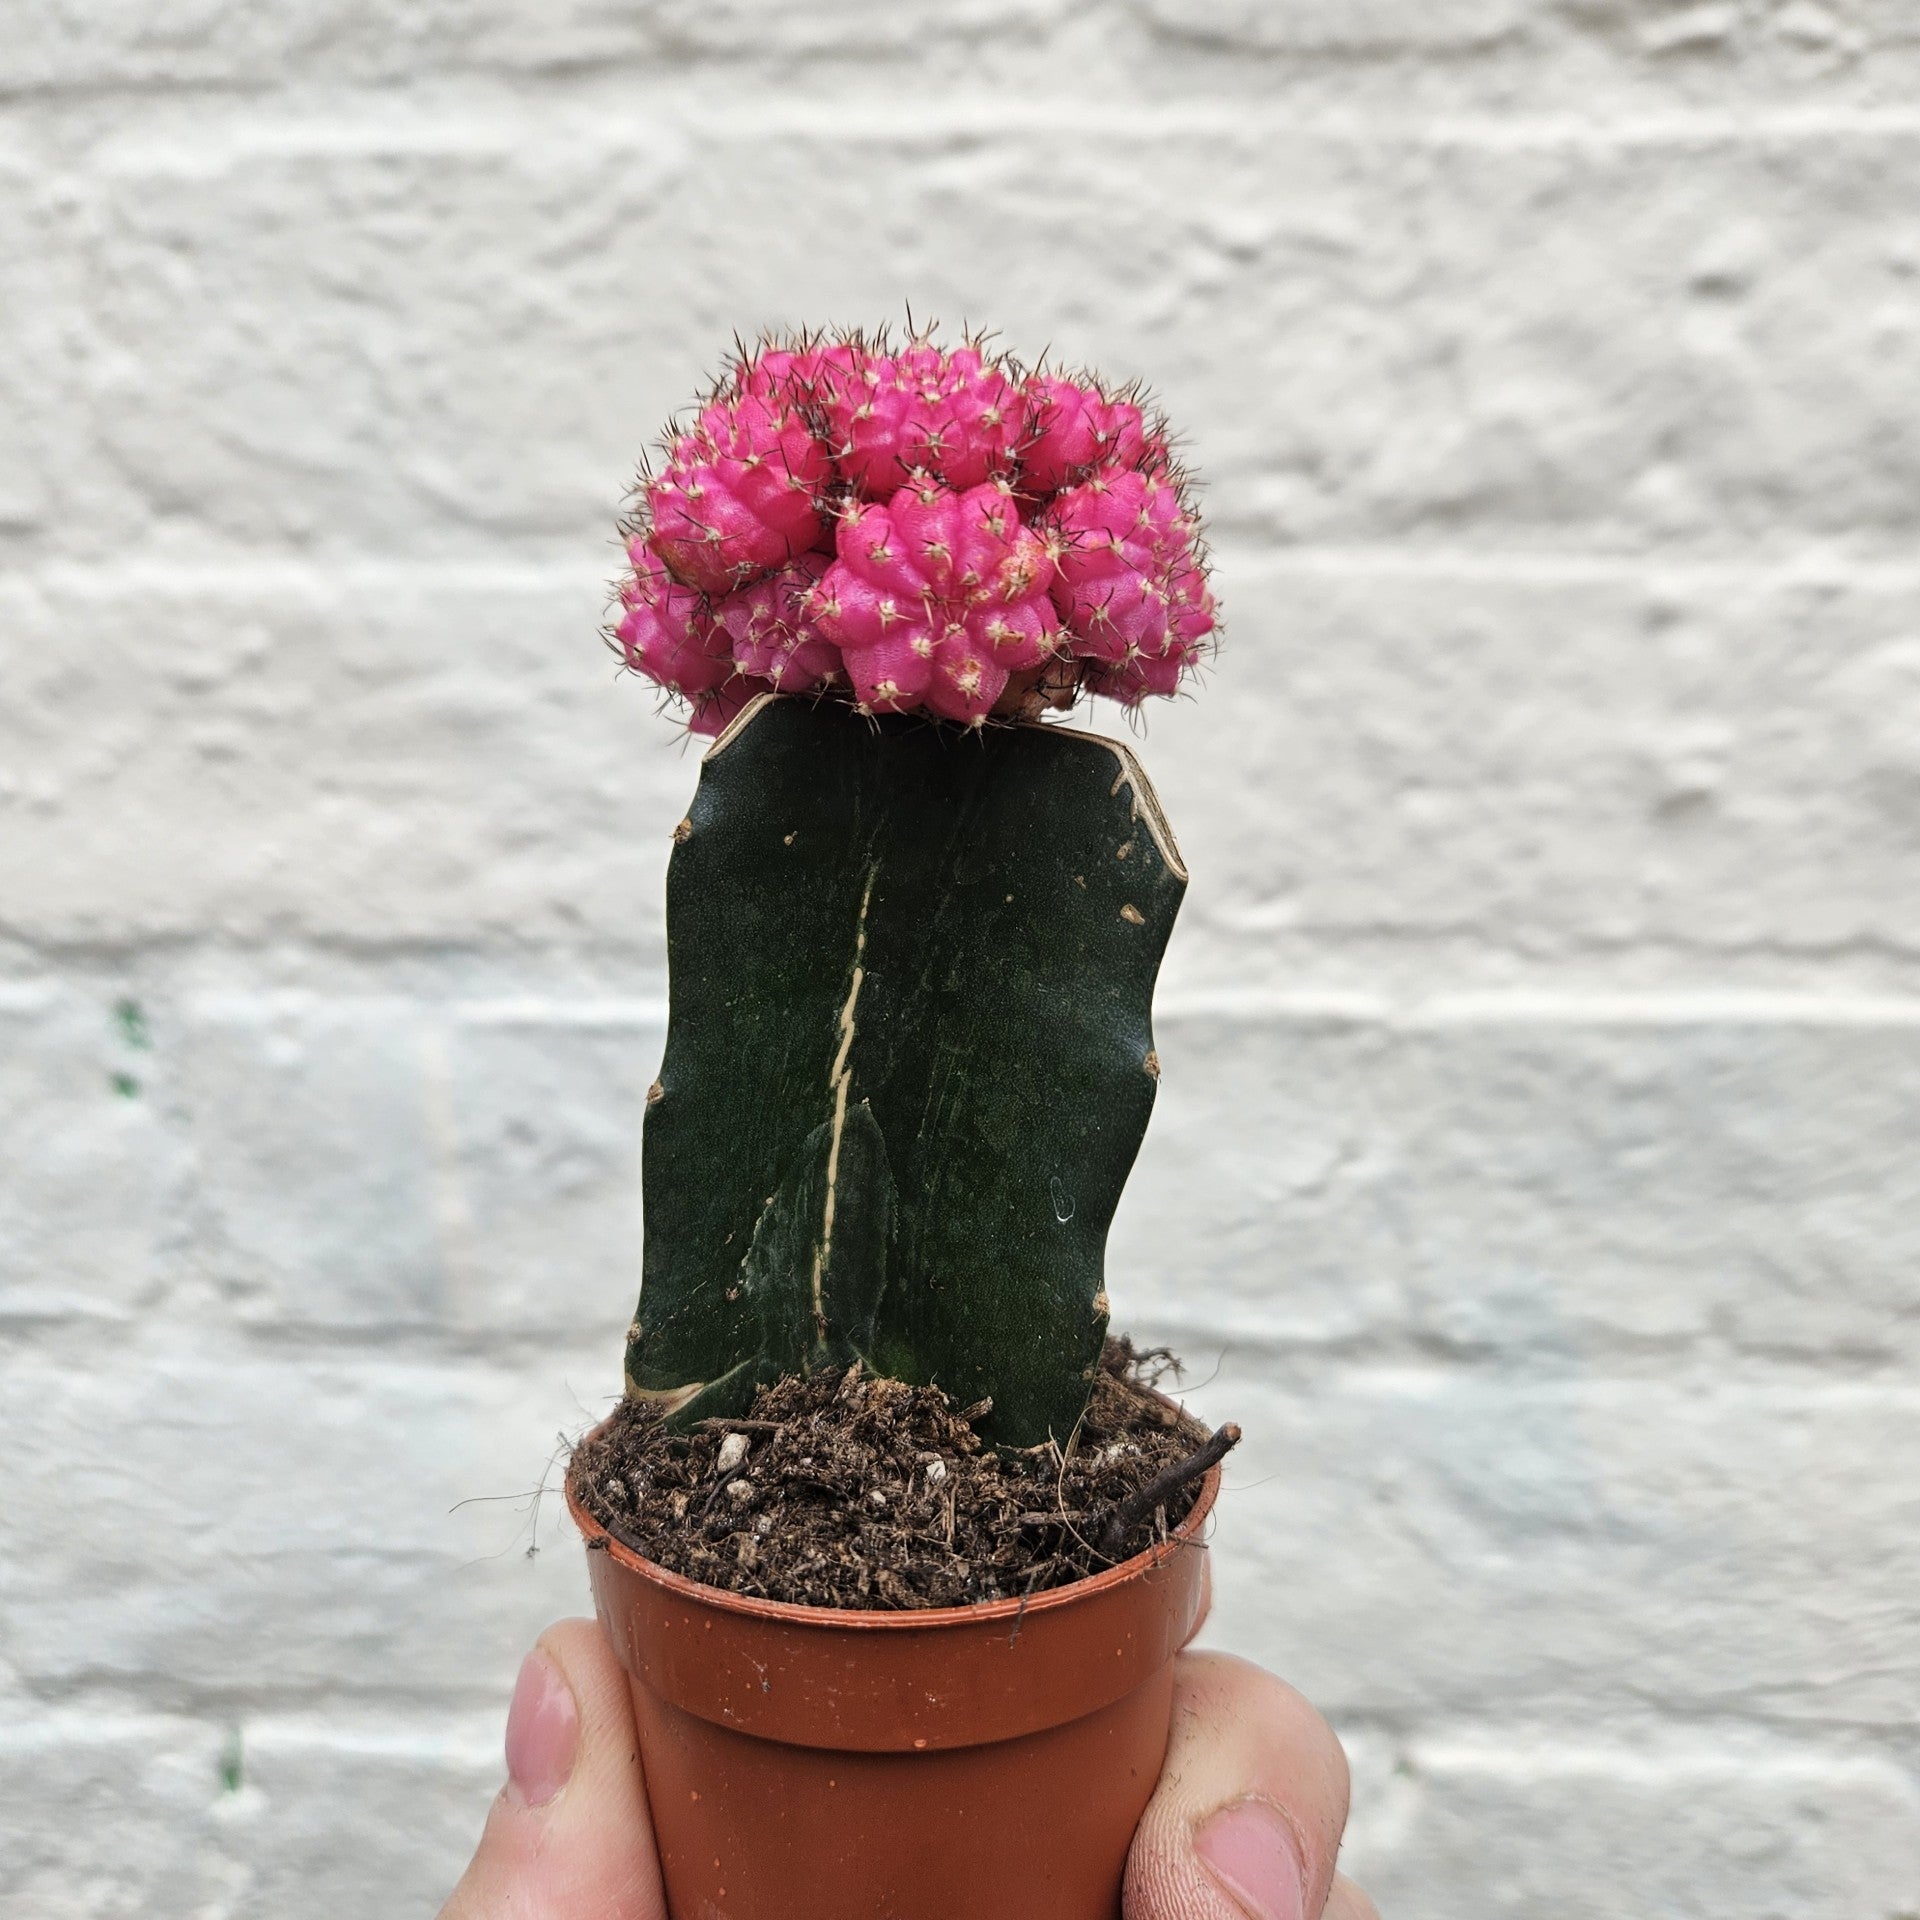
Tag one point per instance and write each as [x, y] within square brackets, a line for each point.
[848, 1491]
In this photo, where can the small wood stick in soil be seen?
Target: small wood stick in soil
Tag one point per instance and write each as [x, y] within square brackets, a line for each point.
[1136, 1506]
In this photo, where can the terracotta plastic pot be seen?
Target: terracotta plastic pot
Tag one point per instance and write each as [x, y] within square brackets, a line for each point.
[970, 1763]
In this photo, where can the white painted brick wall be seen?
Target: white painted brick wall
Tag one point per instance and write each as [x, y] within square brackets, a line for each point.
[1535, 1171]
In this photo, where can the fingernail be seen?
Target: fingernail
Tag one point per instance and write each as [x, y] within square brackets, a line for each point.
[543, 1730]
[1250, 1849]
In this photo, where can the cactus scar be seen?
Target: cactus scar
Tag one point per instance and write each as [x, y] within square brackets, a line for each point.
[840, 1080]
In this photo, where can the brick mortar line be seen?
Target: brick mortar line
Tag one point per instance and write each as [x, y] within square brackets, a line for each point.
[148, 966]
[1706, 1367]
[147, 960]
[1767, 569]
[1690, 1733]
[1217, 930]
[1519, 1007]
[1764, 569]
[460, 1732]
[1692, 1364]
[1597, 1011]
[1684, 1741]
[164, 1696]
[1369, 1371]
[411, 115]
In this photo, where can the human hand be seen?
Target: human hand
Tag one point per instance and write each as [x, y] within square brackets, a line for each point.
[1244, 1824]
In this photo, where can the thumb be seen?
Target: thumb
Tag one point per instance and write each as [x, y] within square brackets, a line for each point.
[569, 1837]
[1247, 1818]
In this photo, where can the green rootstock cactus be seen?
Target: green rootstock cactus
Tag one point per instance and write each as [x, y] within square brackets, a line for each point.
[909, 1060]
[913, 933]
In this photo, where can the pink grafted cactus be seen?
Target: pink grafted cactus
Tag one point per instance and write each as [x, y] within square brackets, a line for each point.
[803, 373]
[666, 631]
[937, 597]
[1076, 429]
[956, 417]
[1130, 583]
[714, 712]
[922, 528]
[741, 494]
[776, 640]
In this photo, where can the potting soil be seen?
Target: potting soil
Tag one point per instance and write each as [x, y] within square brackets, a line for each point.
[844, 1490]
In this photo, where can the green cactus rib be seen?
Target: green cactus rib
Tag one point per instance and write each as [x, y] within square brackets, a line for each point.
[909, 1060]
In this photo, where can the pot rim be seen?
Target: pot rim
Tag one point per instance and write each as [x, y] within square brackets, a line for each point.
[897, 1619]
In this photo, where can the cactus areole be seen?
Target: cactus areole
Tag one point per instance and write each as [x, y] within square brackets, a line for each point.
[913, 929]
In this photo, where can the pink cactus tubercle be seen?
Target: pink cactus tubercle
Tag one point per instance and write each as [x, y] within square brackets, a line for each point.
[937, 597]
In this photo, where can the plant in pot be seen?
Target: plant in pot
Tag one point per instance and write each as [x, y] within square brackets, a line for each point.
[895, 1542]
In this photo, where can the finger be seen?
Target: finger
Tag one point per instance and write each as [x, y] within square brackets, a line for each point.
[1247, 1818]
[1347, 1902]
[569, 1837]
